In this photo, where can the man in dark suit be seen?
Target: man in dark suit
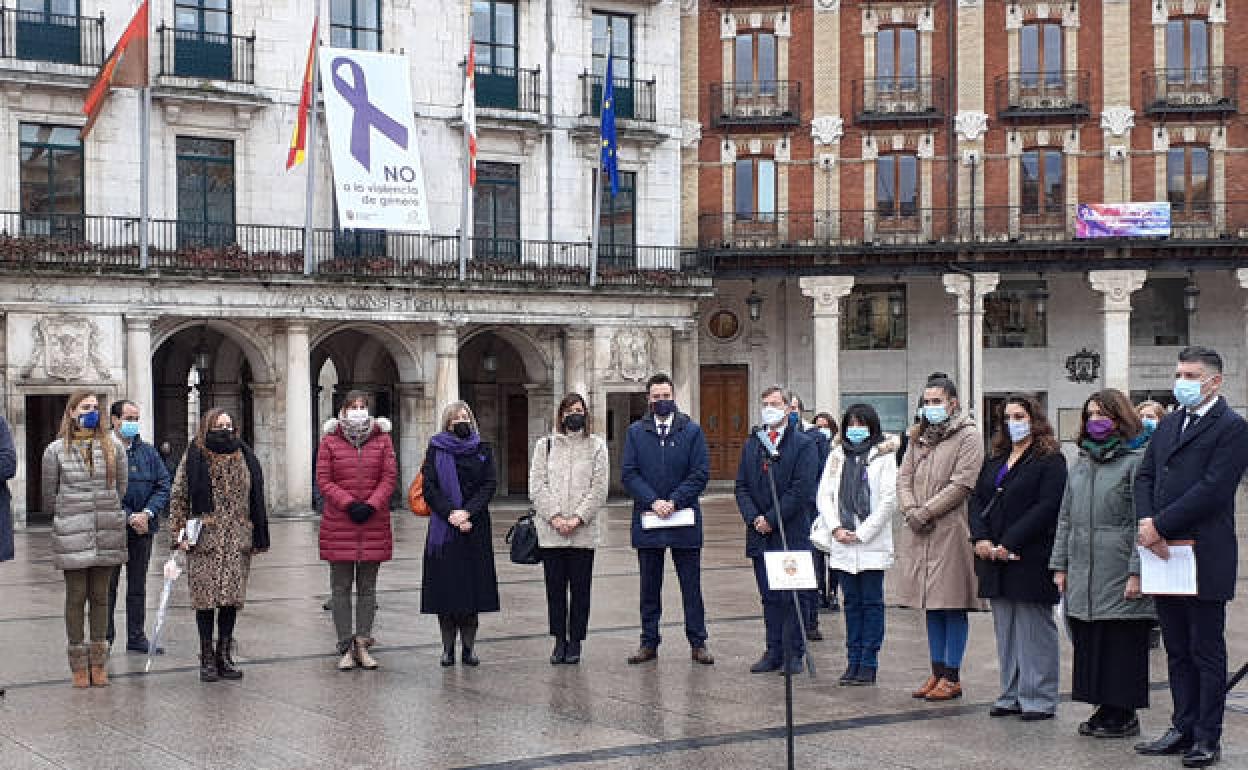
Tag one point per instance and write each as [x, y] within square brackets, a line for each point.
[793, 474]
[665, 469]
[1185, 490]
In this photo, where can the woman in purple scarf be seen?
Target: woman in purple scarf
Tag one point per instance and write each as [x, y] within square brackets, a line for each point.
[458, 578]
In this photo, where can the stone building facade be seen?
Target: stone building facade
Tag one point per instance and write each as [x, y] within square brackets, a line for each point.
[891, 189]
[224, 315]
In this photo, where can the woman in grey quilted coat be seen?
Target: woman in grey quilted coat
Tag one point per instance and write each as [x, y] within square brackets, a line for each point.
[84, 480]
[568, 485]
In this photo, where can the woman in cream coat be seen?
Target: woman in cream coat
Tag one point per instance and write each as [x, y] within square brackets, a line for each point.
[568, 485]
[857, 499]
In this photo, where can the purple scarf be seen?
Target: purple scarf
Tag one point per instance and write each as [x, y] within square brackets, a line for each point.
[448, 446]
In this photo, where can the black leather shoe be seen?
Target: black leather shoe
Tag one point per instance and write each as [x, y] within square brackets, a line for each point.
[141, 644]
[1202, 754]
[572, 655]
[1035, 716]
[1001, 711]
[448, 658]
[1127, 729]
[865, 677]
[766, 664]
[469, 658]
[560, 653]
[702, 655]
[1170, 744]
[643, 655]
[851, 673]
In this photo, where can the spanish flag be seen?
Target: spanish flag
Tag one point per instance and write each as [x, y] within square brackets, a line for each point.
[470, 113]
[125, 67]
[299, 141]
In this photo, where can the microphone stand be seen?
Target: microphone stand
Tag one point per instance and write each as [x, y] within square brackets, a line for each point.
[772, 457]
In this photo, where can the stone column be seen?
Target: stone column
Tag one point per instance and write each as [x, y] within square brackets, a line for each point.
[970, 331]
[264, 410]
[298, 417]
[577, 352]
[413, 430]
[685, 370]
[1117, 286]
[139, 372]
[827, 292]
[446, 378]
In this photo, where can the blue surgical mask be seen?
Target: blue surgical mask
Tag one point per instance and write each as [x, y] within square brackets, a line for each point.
[935, 413]
[1187, 392]
[772, 416]
[856, 434]
[827, 433]
[1019, 429]
[90, 420]
[794, 419]
[129, 429]
[1150, 424]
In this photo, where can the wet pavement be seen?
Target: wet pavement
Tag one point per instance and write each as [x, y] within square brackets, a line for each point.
[295, 710]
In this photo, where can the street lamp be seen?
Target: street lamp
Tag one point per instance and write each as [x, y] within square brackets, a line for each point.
[201, 357]
[1040, 298]
[1191, 295]
[897, 302]
[754, 303]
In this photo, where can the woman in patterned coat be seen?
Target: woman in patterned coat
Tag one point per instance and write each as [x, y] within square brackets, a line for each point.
[219, 484]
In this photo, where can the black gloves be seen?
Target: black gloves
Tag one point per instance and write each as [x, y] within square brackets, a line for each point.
[360, 512]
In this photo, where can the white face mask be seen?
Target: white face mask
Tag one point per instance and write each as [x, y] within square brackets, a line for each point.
[772, 416]
[357, 416]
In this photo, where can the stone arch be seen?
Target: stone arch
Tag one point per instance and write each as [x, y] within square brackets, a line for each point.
[262, 370]
[537, 365]
[406, 361]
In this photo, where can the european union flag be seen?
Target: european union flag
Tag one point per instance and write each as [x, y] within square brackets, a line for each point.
[610, 161]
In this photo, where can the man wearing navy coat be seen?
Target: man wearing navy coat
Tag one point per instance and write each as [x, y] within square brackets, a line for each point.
[1185, 490]
[665, 469]
[792, 467]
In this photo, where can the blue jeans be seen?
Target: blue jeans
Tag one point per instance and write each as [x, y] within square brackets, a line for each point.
[779, 618]
[947, 632]
[864, 616]
[688, 563]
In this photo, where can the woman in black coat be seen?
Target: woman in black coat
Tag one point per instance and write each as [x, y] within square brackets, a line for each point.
[1014, 512]
[458, 580]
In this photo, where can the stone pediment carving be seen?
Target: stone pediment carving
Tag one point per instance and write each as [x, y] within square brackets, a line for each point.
[1118, 120]
[971, 125]
[631, 354]
[827, 129]
[67, 348]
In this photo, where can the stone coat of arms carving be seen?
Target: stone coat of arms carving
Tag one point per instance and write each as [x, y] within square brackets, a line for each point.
[68, 348]
[631, 354]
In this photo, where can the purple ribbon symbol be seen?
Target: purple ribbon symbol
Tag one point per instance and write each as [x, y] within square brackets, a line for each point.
[366, 114]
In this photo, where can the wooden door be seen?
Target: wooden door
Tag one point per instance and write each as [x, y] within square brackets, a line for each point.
[725, 416]
[43, 420]
[517, 444]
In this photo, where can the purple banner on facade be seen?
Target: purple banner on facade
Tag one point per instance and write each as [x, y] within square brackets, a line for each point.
[1123, 220]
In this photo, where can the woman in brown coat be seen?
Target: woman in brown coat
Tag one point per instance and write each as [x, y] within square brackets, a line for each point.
[220, 485]
[935, 563]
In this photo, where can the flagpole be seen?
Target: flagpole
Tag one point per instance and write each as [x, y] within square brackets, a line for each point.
[145, 163]
[311, 140]
[595, 225]
[465, 214]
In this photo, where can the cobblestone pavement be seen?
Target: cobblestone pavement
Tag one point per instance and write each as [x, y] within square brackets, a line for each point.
[295, 710]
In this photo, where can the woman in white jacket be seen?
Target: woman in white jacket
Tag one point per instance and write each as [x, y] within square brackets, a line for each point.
[857, 500]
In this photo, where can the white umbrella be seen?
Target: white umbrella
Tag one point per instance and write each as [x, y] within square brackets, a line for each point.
[172, 571]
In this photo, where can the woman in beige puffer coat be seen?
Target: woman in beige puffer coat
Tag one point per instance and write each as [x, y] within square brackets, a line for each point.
[84, 481]
[568, 486]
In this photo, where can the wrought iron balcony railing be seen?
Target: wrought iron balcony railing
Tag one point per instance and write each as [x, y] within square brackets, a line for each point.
[1040, 94]
[207, 55]
[52, 37]
[508, 88]
[1200, 90]
[634, 99]
[78, 242]
[899, 99]
[756, 103]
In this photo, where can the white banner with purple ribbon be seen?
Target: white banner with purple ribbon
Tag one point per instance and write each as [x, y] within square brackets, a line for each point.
[378, 179]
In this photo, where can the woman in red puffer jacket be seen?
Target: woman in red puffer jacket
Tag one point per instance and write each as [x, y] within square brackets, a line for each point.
[356, 472]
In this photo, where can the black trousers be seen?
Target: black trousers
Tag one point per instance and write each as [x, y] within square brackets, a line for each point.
[568, 571]
[688, 563]
[1195, 634]
[140, 548]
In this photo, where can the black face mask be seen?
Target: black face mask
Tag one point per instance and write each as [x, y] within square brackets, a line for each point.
[663, 407]
[574, 422]
[221, 441]
[462, 430]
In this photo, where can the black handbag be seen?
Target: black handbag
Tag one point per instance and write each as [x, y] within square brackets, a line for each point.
[522, 537]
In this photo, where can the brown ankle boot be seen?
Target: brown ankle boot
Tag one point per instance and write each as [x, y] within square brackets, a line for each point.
[927, 687]
[97, 654]
[78, 665]
[945, 690]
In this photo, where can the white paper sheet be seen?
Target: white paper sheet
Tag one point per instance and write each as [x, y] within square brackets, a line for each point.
[1175, 576]
[790, 570]
[681, 518]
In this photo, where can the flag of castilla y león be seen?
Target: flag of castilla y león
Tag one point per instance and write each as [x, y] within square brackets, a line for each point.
[126, 67]
[299, 140]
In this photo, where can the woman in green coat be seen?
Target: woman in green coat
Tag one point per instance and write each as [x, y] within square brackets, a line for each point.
[1097, 569]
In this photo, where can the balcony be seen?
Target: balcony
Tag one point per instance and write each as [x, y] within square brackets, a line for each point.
[508, 88]
[1206, 90]
[1044, 94]
[756, 103]
[899, 99]
[35, 36]
[634, 99]
[111, 244]
[207, 55]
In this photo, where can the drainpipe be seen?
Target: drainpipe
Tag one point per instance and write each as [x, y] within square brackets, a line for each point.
[951, 182]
